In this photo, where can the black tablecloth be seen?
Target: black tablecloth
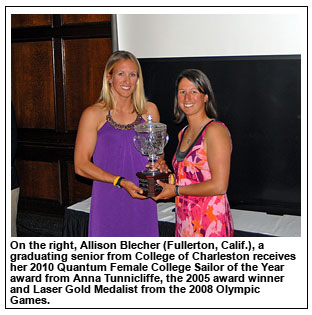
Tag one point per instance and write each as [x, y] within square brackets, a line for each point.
[75, 223]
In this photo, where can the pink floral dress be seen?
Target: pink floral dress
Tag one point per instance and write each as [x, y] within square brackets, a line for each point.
[196, 215]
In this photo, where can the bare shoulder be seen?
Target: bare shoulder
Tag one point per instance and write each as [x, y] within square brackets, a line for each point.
[94, 115]
[151, 106]
[151, 109]
[180, 134]
[217, 131]
[94, 110]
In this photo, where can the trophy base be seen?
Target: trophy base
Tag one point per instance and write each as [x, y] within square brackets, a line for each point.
[147, 181]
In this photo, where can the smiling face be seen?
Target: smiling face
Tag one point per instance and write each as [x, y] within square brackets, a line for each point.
[191, 101]
[123, 79]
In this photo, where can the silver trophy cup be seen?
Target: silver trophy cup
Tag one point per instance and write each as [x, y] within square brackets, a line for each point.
[150, 140]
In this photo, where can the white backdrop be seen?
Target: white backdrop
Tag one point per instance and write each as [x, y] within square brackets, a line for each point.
[193, 35]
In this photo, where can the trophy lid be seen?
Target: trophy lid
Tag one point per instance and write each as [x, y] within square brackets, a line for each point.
[150, 126]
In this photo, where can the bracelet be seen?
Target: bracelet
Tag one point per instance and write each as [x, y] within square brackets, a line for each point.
[177, 190]
[119, 181]
[116, 180]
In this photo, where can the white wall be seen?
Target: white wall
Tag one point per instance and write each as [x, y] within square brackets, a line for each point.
[187, 35]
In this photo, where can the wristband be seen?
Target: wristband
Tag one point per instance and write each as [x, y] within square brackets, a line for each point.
[177, 190]
[116, 180]
[119, 181]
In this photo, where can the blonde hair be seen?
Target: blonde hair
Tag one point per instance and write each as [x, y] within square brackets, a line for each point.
[107, 97]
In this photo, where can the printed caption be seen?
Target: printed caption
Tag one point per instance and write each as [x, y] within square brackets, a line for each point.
[223, 267]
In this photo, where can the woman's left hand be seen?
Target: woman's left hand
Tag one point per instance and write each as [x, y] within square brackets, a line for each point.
[161, 165]
[167, 192]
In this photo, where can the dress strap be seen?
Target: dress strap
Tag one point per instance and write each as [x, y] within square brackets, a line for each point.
[180, 156]
[123, 127]
[222, 124]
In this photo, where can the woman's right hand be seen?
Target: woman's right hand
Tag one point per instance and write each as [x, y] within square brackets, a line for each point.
[133, 190]
[167, 192]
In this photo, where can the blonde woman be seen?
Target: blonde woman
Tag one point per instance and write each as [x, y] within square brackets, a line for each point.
[105, 133]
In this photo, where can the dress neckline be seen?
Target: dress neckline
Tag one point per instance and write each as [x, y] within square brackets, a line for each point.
[181, 155]
[123, 127]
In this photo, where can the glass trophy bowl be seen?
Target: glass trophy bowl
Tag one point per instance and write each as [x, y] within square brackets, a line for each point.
[150, 140]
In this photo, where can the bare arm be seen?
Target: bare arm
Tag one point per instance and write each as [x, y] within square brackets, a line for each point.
[217, 144]
[85, 145]
[84, 148]
[151, 109]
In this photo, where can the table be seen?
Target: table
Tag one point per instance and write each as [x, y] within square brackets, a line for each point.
[247, 223]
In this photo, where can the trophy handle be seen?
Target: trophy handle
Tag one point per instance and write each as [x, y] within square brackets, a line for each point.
[135, 139]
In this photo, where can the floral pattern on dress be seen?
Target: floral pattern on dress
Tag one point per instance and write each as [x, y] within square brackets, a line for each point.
[199, 216]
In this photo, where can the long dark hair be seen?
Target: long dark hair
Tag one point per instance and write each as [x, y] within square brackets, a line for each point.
[202, 83]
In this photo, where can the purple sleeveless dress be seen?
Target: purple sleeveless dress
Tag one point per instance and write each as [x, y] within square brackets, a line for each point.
[113, 211]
